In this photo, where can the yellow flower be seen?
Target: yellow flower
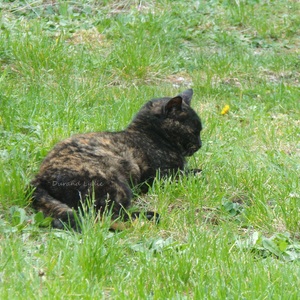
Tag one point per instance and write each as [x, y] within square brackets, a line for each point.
[225, 110]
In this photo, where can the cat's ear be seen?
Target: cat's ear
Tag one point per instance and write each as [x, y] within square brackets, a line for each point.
[173, 104]
[176, 102]
[187, 96]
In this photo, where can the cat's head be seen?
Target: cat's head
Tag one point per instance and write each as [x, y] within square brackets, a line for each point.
[174, 120]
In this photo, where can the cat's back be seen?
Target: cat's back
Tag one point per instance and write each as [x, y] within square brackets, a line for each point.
[82, 148]
[106, 153]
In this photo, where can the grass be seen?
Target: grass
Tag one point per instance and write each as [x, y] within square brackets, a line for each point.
[79, 66]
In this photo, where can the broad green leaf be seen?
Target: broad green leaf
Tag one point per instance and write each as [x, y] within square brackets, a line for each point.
[271, 246]
[39, 217]
[282, 245]
[18, 215]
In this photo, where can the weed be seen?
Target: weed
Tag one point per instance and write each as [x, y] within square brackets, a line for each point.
[77, 66]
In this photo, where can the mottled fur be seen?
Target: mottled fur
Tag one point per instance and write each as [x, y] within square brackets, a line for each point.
[105, 166]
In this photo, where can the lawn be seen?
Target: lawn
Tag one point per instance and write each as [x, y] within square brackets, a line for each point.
[232, 232]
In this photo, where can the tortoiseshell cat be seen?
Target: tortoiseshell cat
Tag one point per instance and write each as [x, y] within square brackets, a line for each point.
[105, 166]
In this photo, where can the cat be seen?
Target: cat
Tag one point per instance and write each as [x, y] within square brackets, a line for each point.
[106, 166]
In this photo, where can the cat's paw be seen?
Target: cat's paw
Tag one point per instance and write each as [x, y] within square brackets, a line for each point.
[67, 221]
[149, 215]
[196, 171]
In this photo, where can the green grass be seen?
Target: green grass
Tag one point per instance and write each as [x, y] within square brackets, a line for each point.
[79, 66]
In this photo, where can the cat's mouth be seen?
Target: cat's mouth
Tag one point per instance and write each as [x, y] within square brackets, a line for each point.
[191, 150]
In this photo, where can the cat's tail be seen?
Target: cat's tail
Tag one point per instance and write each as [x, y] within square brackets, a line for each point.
[65, 217]
[62, 214]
